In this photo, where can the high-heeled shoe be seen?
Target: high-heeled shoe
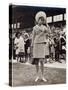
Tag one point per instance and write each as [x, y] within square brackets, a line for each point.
[37, 78]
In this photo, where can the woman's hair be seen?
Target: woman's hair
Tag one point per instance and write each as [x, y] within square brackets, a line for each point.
[17, 34]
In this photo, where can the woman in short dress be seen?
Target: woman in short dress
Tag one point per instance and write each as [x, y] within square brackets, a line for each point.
[38, 42]
[16, 43]
[19, 46]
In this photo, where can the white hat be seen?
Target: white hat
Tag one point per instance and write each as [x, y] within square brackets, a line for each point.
[26, 34]
[40, 14]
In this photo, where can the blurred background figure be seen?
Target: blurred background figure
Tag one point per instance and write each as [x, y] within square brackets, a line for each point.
[22, 48]
[63, 45]
[16, 43]
[27, 47]
[51, 47]
[57, 48]
[19, 47]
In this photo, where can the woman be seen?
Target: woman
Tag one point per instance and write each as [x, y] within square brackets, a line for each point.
[16, 43]
[62, 45]
[51, 47]
[38, 42]
[57, 48]
[19, 46]
[22, 48]
[27, 47]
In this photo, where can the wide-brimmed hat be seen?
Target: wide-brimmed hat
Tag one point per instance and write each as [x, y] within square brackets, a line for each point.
[40, 14]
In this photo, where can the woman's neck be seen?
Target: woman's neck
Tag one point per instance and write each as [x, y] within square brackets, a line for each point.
[40, 24]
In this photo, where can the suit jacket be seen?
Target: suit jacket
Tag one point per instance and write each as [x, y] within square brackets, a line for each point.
[39, 34]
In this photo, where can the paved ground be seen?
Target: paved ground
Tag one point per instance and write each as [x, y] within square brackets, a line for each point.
[24, 74]
[52, 65]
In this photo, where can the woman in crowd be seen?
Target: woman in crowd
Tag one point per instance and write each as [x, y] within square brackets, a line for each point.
[57, 48]
[22, 48]
[38, 42]
[19, 46]
[62, 45]
[51, 47]
[16, 43]
[27, 47]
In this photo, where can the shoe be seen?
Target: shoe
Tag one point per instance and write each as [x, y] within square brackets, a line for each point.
[59, 61]
[37, 78]
[27, 63]
[44, 79]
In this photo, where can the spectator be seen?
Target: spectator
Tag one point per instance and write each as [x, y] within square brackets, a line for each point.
[27, 46]
[51, 47]
[19, 46]
[56, 46]
[62, 45]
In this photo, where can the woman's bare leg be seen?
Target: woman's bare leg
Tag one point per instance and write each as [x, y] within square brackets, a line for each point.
[42, 69]
[37, 71]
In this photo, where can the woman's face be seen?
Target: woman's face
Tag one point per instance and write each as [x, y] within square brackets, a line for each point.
[51, 35]
[18, 36]
[41, 20]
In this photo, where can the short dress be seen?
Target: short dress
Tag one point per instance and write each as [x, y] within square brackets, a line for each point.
[39, 42]
[20, 45]
[16, 42]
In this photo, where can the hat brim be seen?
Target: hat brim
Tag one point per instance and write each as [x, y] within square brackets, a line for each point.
[40, 14]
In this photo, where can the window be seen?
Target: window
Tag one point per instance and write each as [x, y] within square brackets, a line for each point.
[15, 26]
[58, 18]
[18, 25]
[49, 19]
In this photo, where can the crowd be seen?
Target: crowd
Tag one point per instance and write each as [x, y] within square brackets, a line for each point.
[56, 45]
[21, 46]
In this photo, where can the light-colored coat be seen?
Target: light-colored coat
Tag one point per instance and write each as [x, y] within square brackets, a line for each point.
[39, 33]
[39, 40]
[19, 44]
